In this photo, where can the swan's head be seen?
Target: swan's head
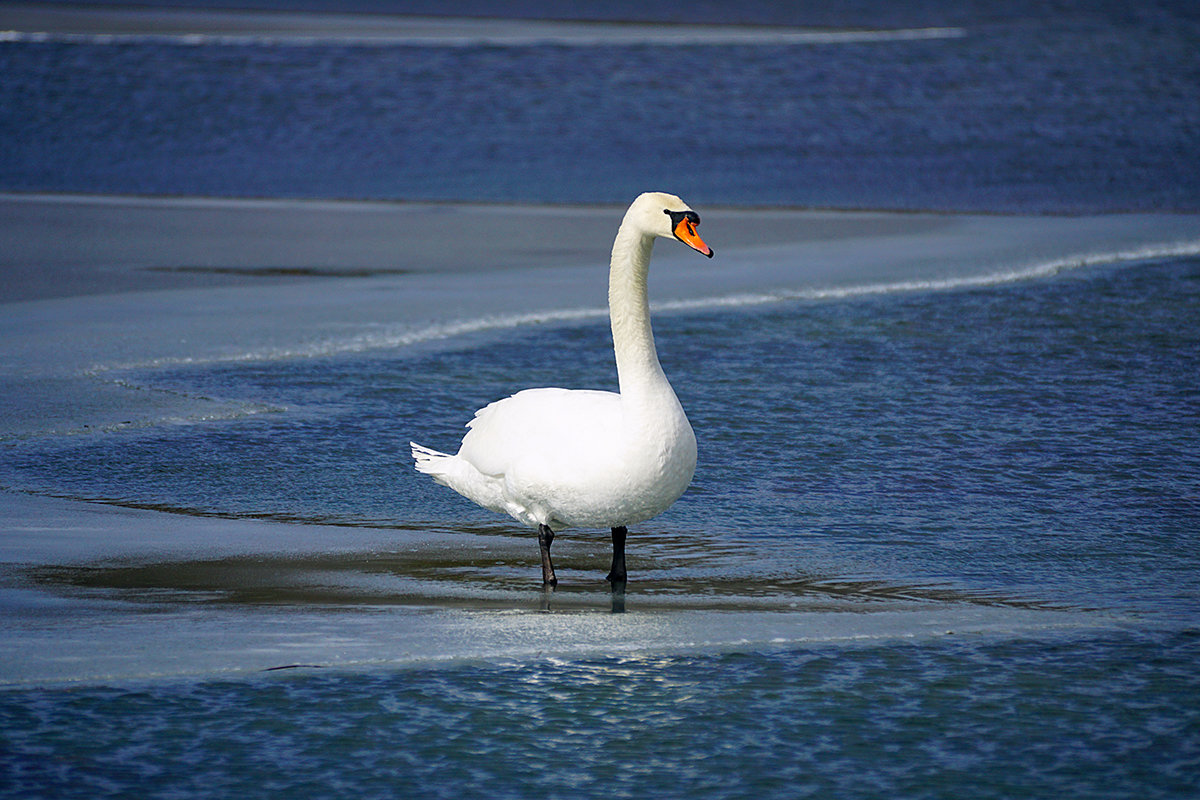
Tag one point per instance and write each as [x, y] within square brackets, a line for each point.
[665, 215]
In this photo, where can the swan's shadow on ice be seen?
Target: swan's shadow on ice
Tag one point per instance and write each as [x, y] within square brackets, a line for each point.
[666, 575]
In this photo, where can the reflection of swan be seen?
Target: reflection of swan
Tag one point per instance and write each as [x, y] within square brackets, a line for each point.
[558, 458]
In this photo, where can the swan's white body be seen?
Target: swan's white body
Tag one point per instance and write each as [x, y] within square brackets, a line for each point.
[576, 458]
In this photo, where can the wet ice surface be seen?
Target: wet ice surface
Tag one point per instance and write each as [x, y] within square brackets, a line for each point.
[390, 598]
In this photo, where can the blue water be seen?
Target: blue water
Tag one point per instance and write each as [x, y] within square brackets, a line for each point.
[1025, 446]
[1097, 111]
[998, 720]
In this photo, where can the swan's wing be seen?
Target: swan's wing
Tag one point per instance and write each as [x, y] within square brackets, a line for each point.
[541, 424]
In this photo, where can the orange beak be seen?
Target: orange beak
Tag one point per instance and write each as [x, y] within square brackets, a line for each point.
[685, 232]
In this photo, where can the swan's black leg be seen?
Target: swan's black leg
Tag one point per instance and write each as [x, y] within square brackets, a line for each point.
[545, 539]
[616, 576]
[617, 573]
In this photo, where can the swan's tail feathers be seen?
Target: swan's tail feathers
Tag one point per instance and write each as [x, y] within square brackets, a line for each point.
[432, 462]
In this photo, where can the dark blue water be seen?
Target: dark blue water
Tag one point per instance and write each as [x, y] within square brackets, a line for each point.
[1063, 718]
[1024, 446]
[1065, 112]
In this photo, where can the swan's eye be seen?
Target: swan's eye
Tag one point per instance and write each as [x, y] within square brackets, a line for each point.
[683, 226]
[693, 219]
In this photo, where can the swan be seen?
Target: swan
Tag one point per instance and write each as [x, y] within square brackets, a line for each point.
[560, 458]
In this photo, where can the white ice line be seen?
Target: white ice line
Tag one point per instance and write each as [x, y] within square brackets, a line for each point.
[583, 35]
[390, 339]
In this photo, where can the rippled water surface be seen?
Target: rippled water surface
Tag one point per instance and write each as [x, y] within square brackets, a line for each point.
[1110, 716]
[1097, 111]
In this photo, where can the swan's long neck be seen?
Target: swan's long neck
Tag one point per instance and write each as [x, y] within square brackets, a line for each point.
[638, 371]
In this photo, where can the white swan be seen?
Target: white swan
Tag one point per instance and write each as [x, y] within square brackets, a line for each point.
[559, 458]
